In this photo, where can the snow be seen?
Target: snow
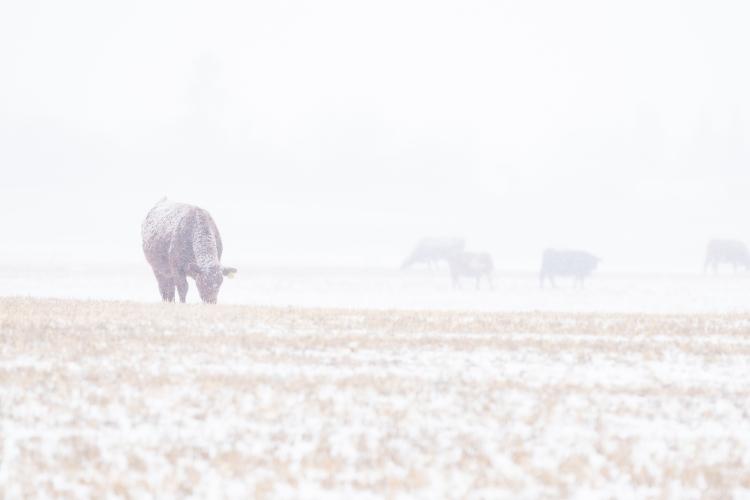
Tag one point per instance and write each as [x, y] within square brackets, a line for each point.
[394, 289]
[162, 399]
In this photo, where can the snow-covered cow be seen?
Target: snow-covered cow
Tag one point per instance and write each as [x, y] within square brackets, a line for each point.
[732, 252]
[576, 263]
[473, 265]
[182, 240]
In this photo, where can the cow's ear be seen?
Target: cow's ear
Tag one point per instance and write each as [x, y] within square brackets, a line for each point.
[192, 268]
[229, 272]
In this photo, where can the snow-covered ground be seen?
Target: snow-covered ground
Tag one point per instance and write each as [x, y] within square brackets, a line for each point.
[394, 289]
[142, 400]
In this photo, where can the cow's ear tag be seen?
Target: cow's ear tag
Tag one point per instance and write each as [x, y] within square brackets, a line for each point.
[231, 274]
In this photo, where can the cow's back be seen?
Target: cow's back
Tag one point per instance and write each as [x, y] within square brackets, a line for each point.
[432, 250]
[472, 264]
[159, 229]
[568, 262]
[727, 250]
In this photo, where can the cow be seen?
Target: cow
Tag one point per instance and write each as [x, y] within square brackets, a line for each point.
[431, 251]
[576, 263]
[181, 240]
[732, 252]
[474, 265]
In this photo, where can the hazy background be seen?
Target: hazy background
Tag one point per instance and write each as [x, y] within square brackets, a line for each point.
[338, 132]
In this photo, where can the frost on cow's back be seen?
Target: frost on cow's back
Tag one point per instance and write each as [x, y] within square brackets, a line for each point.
[181, 240]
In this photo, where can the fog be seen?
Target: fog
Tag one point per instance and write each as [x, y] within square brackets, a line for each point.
[338, 133]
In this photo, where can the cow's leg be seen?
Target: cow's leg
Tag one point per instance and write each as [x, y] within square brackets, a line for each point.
[166, 287]
[182, 287]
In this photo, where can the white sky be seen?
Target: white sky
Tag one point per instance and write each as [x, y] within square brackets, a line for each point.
[340, 131]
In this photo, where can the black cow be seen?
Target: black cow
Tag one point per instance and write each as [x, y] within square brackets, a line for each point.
[182, 240]
[576, 263]
[473, 265]
[732, 252]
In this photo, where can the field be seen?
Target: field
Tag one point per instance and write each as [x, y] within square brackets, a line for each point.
[137, 399]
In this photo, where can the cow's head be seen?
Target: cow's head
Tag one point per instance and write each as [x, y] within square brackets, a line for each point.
[208, 280]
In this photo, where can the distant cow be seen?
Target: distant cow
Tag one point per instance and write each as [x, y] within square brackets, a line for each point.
[574, 263]
[732, 252]
[182, 240]
[431, 251]
[473, 265]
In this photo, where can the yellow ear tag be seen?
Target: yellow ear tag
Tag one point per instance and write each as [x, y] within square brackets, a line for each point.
[231, 275]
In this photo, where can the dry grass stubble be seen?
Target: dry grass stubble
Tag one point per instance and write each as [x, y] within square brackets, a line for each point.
[138, 399]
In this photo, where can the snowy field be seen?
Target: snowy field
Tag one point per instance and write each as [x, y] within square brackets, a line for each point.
[393, 289]
[140, 400]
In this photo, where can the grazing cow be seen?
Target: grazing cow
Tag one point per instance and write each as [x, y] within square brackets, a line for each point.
[574, 263]
[182, 240]
[474, 265]
[431, 251]
[732, 252]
